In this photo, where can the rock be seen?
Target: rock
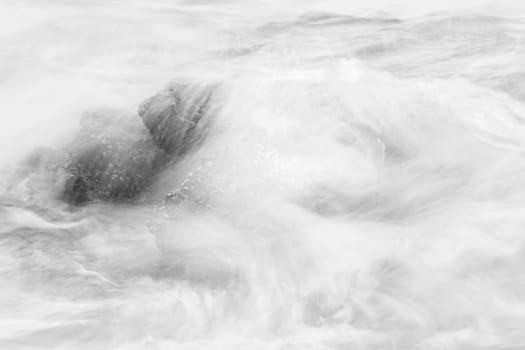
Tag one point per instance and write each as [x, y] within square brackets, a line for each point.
[114, 158]
[179, 116]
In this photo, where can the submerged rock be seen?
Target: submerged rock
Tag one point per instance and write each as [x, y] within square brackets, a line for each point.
[114, 158]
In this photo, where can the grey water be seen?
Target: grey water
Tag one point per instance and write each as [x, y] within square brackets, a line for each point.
[361, 184]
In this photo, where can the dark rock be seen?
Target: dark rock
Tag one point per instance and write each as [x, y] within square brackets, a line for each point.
[178, 117]
[114, 158]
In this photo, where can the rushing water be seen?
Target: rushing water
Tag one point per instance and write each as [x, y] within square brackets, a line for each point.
[362, 185]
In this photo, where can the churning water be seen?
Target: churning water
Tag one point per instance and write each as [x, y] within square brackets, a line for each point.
[361, 186]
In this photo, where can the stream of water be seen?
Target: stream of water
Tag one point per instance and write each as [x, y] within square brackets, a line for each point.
[362, 185]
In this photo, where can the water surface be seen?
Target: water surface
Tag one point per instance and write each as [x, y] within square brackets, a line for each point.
[361, 187]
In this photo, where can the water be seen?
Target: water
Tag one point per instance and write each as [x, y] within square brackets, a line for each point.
[361, 185]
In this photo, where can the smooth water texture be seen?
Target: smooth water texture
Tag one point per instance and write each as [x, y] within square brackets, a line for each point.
[362, 185]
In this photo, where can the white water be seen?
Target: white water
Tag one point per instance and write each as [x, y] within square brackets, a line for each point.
[363, 186]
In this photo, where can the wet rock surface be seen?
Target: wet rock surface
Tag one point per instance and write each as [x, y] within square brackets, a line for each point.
[178, 117]
[117, 156]
[113, 159]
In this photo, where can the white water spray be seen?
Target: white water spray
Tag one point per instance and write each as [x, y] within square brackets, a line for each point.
[360, 186]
